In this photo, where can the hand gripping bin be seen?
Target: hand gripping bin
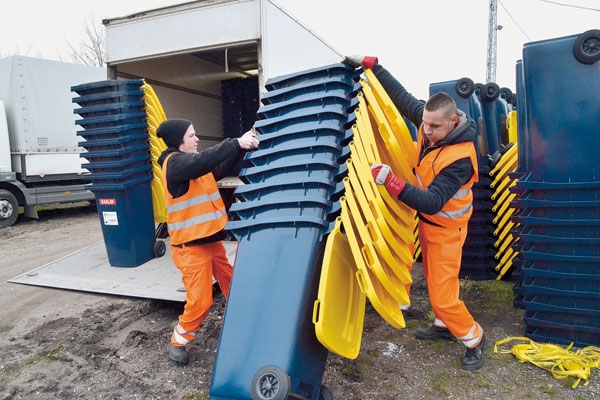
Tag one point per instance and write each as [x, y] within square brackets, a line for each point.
[268, 347]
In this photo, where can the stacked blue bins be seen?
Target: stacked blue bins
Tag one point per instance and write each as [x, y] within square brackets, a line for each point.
[478, 261]
[118, 155]
[559, 197]
[268, 347]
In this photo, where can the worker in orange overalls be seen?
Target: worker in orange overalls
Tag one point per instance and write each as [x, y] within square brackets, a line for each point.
[446, 170]
[196, 219]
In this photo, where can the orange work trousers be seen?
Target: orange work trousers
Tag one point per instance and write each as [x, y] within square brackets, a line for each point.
[198, 264]
[442, 255]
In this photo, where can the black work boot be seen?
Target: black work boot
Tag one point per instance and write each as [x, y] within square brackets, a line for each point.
[433, 332]
[473, 358]
[178, 354]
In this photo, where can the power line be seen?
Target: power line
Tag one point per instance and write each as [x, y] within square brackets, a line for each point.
[570, 5]
[514, 20]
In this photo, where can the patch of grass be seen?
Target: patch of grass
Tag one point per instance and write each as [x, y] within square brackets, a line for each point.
[548, 390]
[498, 295]
[16, 368]
[444, 380]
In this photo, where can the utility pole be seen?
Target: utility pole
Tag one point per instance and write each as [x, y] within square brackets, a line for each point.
[492, 41]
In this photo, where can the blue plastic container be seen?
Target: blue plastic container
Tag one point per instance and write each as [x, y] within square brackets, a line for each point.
[106, 121]
[114, 131]
[560, 270]
[276, 188]
[562, 113]
[339, 70]
[285, 206]
[268, 320]
[332, 132]
[127, 220]
[304, 119]
[337, 84]
[562, 287]
[313, 103]
[564, 335]
[298, 150]
[314, 167]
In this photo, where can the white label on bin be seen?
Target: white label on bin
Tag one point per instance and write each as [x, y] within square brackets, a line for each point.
[110, 218]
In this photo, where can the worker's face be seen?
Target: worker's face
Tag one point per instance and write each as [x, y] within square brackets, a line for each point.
[437, 124]
[190, 141]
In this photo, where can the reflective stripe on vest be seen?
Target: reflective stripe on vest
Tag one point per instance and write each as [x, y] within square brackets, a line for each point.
[457, 210]
[197, 214]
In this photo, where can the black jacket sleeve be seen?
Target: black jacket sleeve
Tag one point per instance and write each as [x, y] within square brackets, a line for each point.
[443, 187]
[218, 159]
[406, 103]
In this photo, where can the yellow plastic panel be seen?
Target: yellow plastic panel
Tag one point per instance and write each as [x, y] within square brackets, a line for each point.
[375, 252]
[391, 152]
[399, 128]
[155, 115]
[395, 212]
[512, 125]
[339, 310]
[382, 301]
[398, 240]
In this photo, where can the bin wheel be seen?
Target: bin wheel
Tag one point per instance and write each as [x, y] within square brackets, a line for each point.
[270, 383]
[490, 91]
[507, 94]
[159, 248]
[587, 46]
[9, 208]
[464, 87]
[325, 393]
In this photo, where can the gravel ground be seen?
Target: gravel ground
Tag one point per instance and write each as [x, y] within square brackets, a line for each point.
[66, 344]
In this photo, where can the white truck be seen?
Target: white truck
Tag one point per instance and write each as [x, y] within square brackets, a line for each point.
[39, 152]
[209, 60]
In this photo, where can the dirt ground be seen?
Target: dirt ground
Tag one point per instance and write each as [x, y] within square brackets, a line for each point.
[65, 344]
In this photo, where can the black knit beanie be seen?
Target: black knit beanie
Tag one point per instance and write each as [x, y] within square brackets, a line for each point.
[172, 131]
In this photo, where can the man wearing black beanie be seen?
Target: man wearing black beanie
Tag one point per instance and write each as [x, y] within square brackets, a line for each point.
[196, 217]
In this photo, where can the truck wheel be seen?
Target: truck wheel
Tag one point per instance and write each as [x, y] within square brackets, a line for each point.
[9, 208]
[270, 383]
[587, 46]
[159, 248]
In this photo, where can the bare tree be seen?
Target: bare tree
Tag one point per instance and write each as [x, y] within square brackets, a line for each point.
[91, 49]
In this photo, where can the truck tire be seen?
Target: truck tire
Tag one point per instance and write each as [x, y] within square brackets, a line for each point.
[9, 208]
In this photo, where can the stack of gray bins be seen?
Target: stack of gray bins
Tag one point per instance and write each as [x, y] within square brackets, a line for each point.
[268, 346]
[558, 190]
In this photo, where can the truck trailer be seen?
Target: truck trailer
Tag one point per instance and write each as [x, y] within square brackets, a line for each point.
[39, 152]
[208, 60]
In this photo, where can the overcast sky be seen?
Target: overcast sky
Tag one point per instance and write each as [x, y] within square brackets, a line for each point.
[420, 42]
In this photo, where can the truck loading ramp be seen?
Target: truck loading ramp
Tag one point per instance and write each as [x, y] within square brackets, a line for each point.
[88, 270]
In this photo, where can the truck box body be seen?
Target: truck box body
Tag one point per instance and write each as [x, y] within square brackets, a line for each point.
[39, 154]
[200, 56]
[39, 114]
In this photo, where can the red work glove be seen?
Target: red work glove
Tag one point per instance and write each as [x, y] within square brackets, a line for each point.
[361, 61]
[383, 175]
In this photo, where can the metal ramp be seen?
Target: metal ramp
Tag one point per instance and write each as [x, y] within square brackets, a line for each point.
[88, 270]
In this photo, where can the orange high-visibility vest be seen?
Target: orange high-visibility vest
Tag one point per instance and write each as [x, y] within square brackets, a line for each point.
[457, 211]
[197, 214]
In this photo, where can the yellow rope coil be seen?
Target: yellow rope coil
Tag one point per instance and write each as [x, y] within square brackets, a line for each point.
[561, 362]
